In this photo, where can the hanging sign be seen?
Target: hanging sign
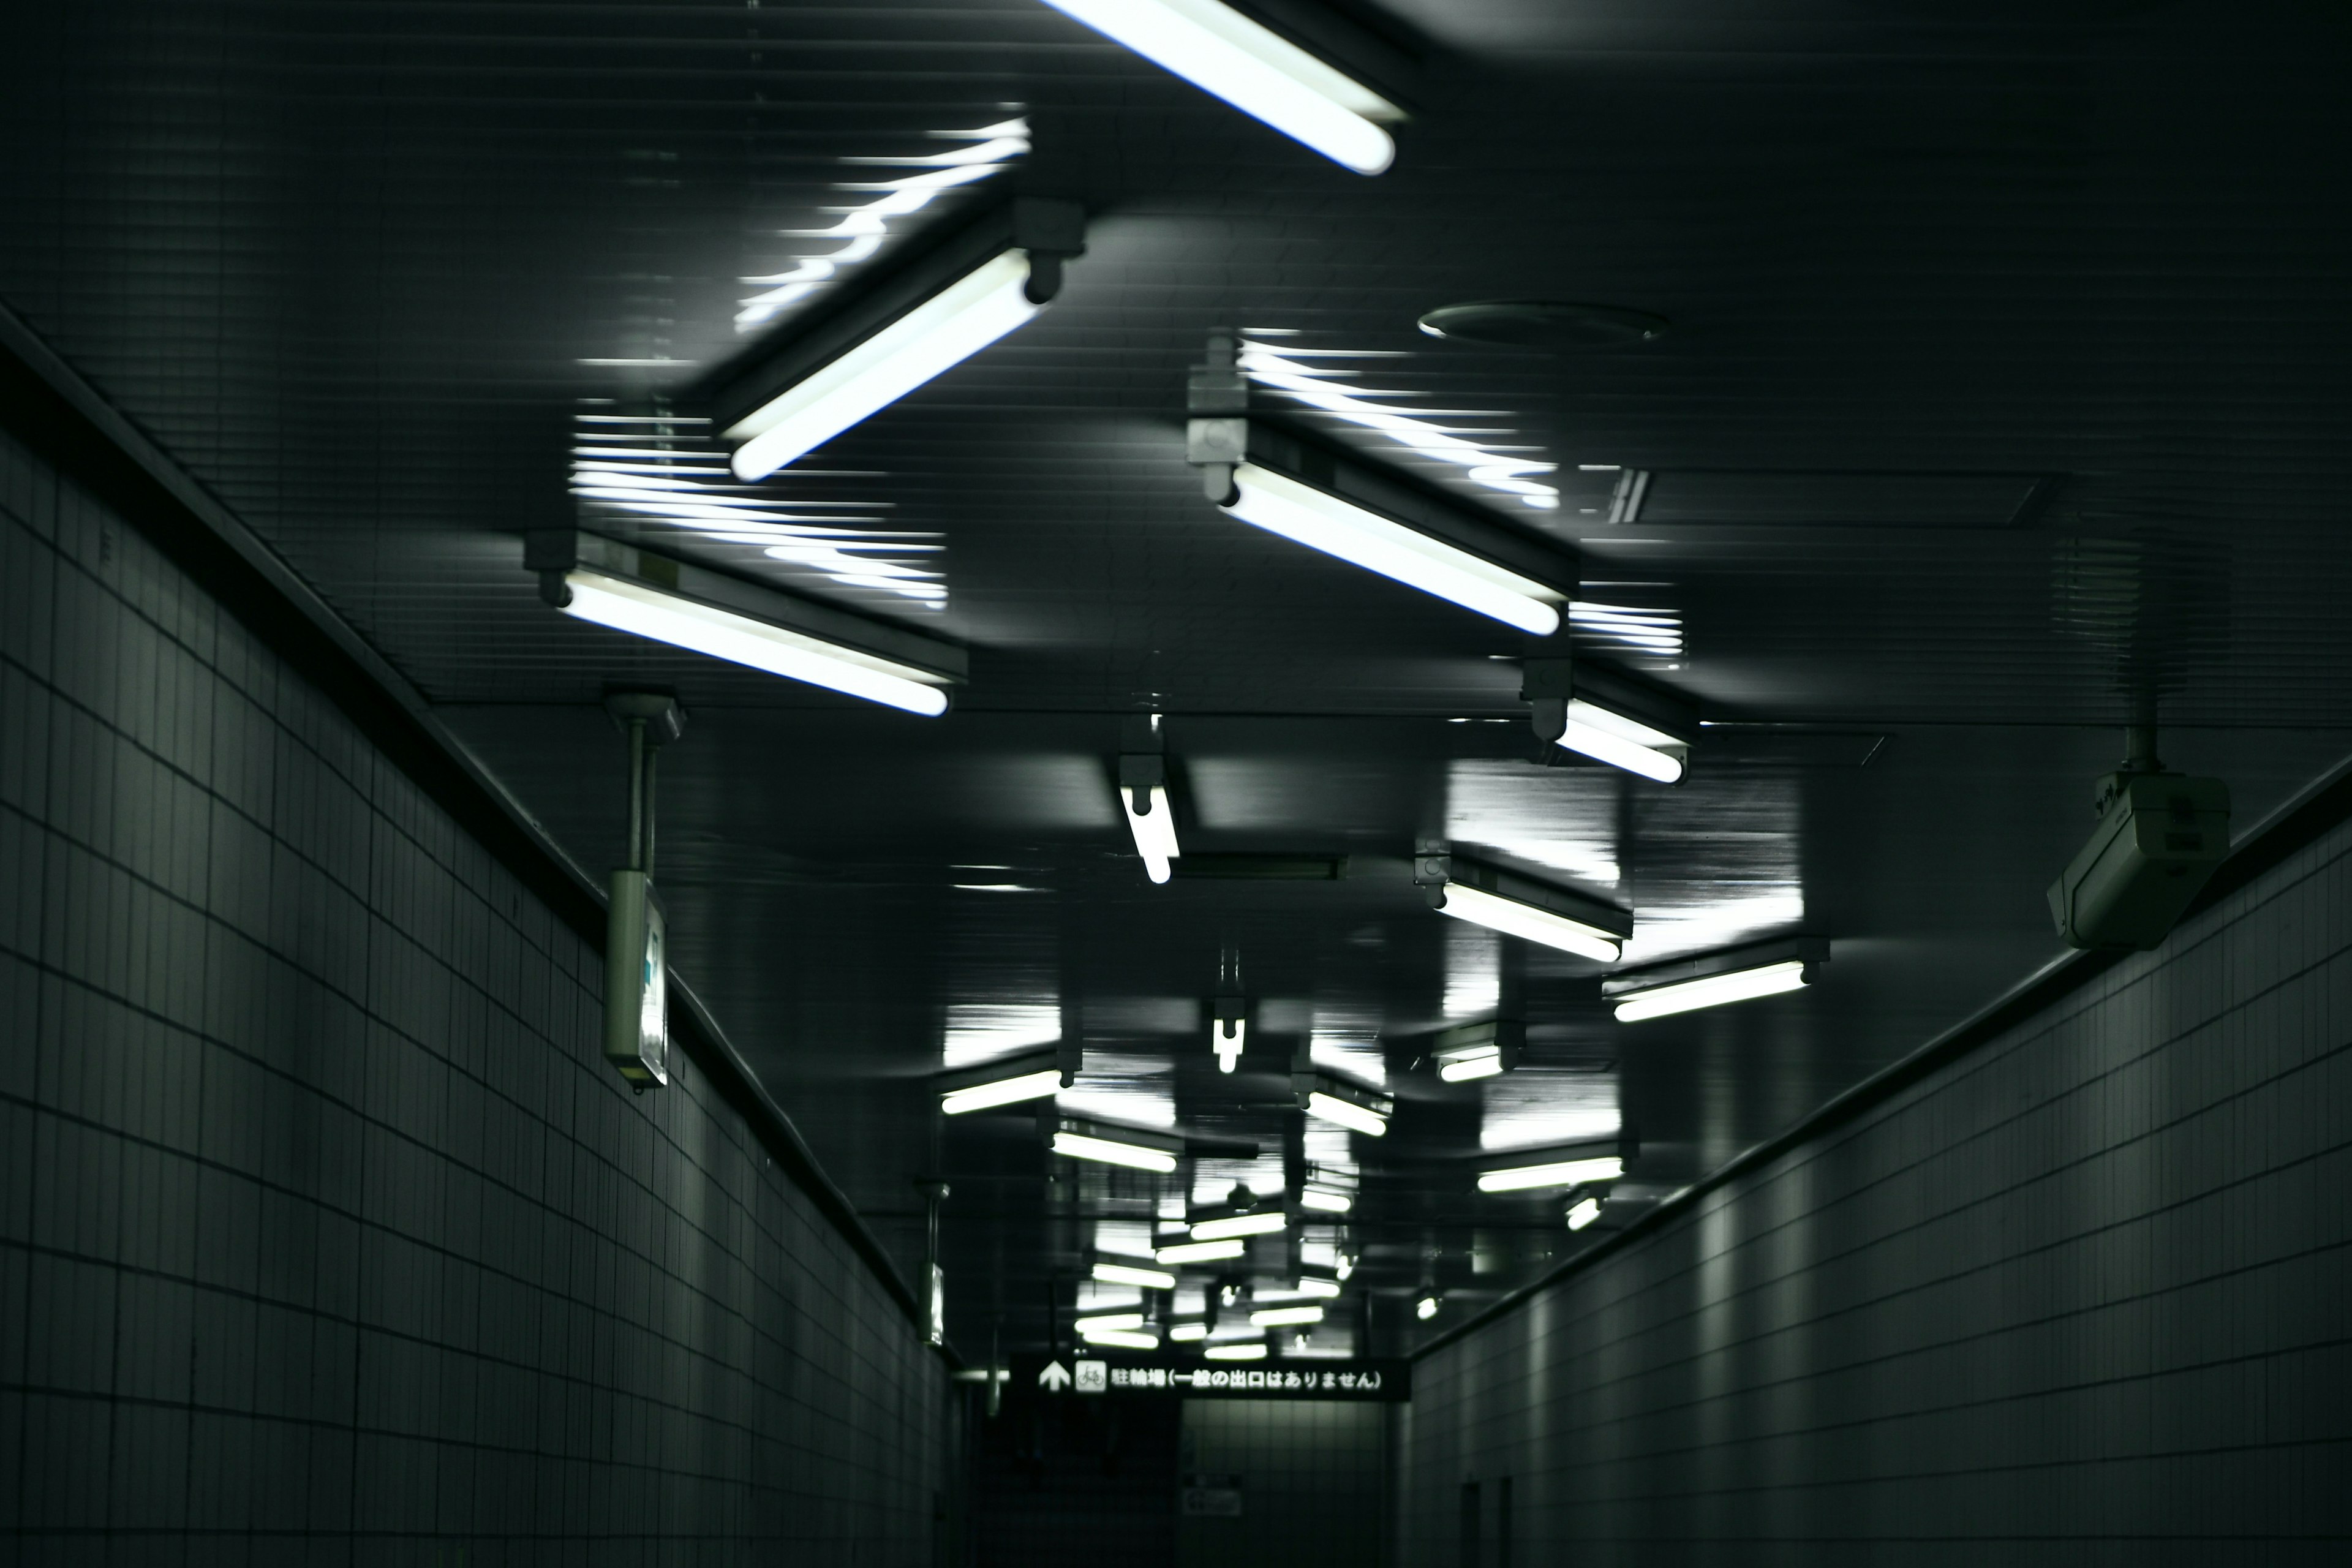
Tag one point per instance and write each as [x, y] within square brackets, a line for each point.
[1365, 1379]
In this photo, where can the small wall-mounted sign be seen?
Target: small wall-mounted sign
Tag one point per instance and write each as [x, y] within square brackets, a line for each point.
[1209, 1496]
[1366, 1379]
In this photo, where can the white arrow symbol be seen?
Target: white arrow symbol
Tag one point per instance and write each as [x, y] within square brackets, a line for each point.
[1056, 1377]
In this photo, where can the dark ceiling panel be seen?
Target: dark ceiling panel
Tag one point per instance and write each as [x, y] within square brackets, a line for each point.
[376, 273]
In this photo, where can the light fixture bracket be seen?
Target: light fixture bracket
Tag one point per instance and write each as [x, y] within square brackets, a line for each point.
[1550, 682]
[1051, 231]
[1506, 1038]
[555, 553]
[1066, 1057]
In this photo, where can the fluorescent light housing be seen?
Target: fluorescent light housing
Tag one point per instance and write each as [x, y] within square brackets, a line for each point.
[1566, 1165]
[1109, 1144]
[1715, 980]
[1185, 1252]
[1153, 824]
[1111, 1273]
[1108, 1322]
[1341, 1103]
[1522, 907]
[1610, 717]
[1325, 1199]
[1229, 1031]
[1323, 1282]
[1277, 1317]
[1184, 1331]
[1261, 1222]
[890, 332]
[1332, 501]
[1583, 1212]
[1121, 1338]
[1255, 70]
[1008, 1080]
[1478, 1050]
[1251, 1351]
[723, 616]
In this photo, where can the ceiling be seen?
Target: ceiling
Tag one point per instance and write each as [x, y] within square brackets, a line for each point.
[378, 274]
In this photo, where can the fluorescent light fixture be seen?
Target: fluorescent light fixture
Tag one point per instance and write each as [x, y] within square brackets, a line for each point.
[1771, 980]
[1530, 923]
[1154, 829]
[1258, 71]
[1188, 1330]
[894, 331]
[1201, 1251]
[1583, 1212]
[653, 596]
[1611, 718]
[1135, 1274]
[1079, 1146]
[1479, 1050]
[1006, 1091]
[1253, 1351]
[1226, 1038]
[1624, 742]
[1346, 1113]
[1108, 1322]
[1713, 980]
[1275, 1317]
[1555, 1173]
[1325, 1200]
[1427, 1307]
[1009, 1079]
[1264, 1222]
[1316, 1284]
[1522, 907]
[1121, 1338]
[1320, 520]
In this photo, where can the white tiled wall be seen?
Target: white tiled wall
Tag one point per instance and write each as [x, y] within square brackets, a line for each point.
[324, 1235]
[2080, 1297]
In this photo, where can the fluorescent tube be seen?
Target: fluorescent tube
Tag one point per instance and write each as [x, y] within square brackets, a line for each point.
[1623, 742]
[1108, 1321]
[1712, 991]
[1328, 1200]
[1530, 924]
[1121, 1338]
[1346, 1113]
[1275, 1317]
[1240, 1224]
[942, 332]
[722, 634]
[1011, 1091]
[1079, 1146]
[1135, 1274]
[1583, 1212]
[1155, 830]
[1234, 1352]
[1482, 1061]
[1320, 520]
[1313, 1285]
[1188, 1330]
[1201, 1251]
[1557, 1173]
[1425, 1308]
[1257, 71]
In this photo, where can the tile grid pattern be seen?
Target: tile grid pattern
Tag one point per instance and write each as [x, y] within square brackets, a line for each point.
[324, 1236]
[2079, 1297]
[1313, 1473]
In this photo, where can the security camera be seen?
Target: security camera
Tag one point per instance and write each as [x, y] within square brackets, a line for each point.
[2160, 835]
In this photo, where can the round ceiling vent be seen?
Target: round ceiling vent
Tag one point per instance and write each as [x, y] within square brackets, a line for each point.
[1553, 325]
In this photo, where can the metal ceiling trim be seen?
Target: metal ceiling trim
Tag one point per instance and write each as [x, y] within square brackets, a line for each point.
[58, 413]
[2323, 804]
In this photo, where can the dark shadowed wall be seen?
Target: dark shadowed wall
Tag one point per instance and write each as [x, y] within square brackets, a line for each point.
[2079, 1297]
[324, 1235]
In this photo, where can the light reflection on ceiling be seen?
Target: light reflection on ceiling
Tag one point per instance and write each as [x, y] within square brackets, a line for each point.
[1535, 1106]
[1287, 369]
[982, 1031]
[862, 228]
